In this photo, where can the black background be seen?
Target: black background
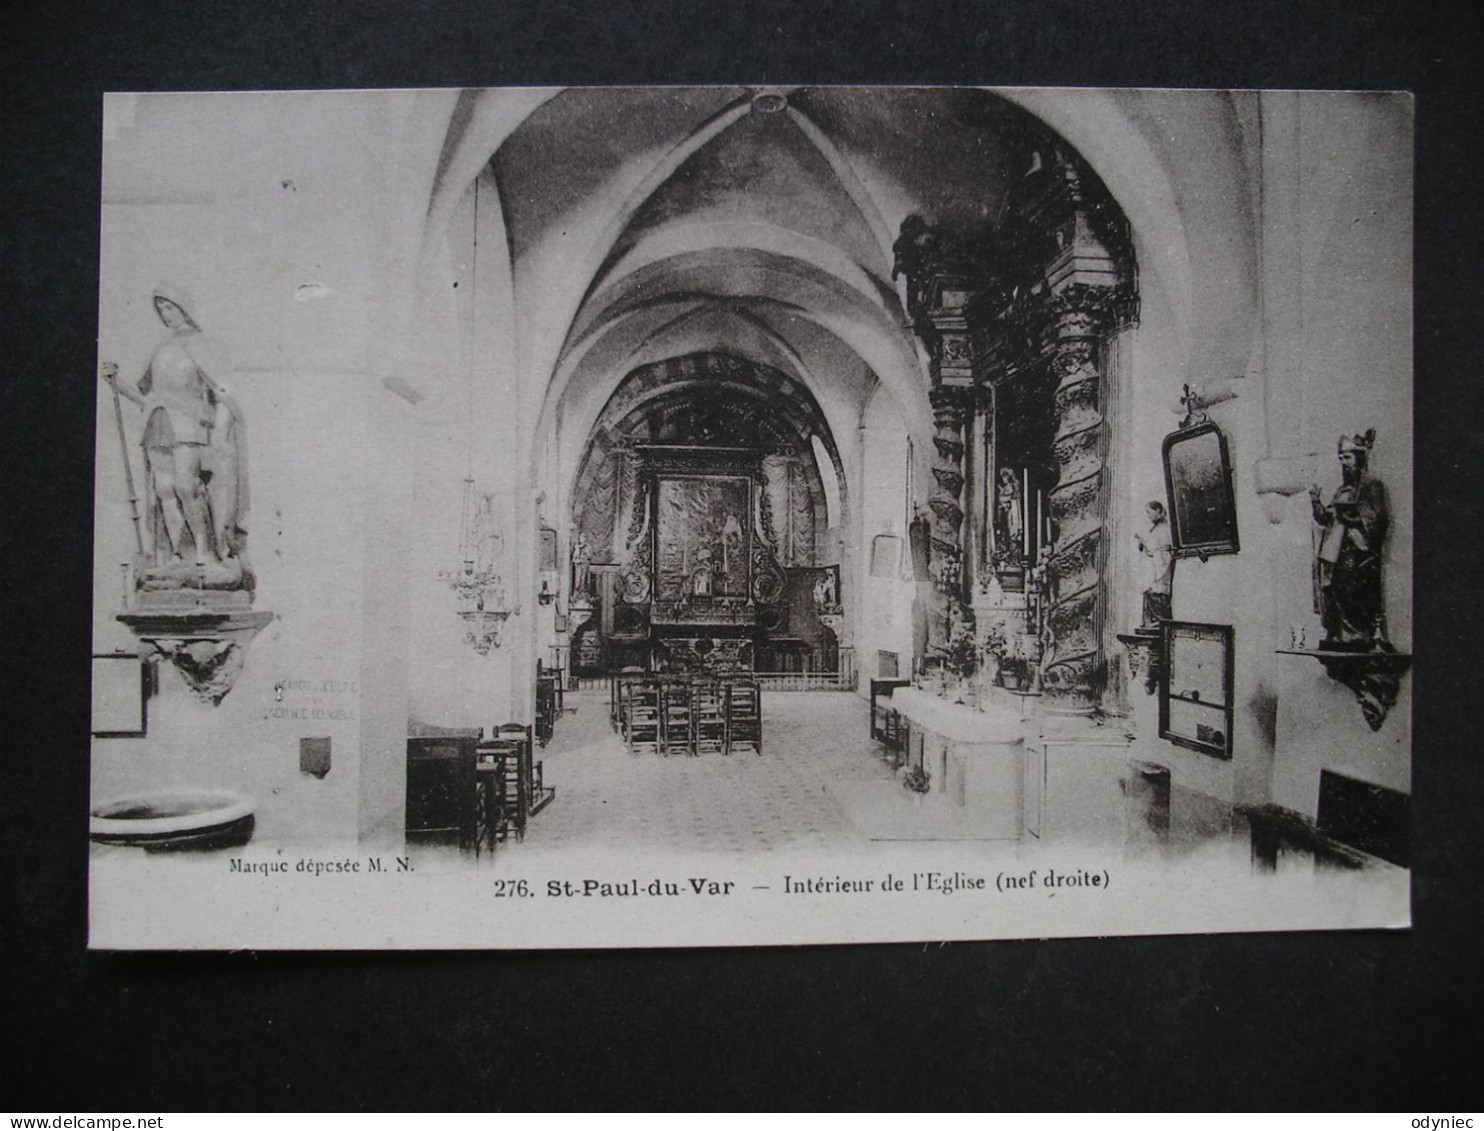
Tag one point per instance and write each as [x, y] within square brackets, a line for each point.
[1367, 1020]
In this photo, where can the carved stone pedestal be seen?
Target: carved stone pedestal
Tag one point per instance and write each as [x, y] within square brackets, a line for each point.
[1144, 655]
[1374, 677]
[204, 633]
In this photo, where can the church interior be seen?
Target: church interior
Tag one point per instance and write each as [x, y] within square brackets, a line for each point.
[747, 467]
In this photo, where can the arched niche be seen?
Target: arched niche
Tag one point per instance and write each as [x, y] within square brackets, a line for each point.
[715, 400]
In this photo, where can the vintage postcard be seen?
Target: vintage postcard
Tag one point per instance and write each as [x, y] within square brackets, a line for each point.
[550, 518]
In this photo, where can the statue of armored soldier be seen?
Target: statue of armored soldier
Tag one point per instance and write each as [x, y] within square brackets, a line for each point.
[194, 452]
[195, 586]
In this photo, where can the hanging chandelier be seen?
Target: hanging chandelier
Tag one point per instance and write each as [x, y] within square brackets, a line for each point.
[479, 588]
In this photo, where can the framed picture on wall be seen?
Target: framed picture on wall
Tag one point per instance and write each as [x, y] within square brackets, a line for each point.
[1203, 506]
[886, 556]
[121, 682]
[1195, 700]
[548, 549]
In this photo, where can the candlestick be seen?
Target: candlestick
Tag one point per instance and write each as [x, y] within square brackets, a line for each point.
[1025, 502]
[1035, 525]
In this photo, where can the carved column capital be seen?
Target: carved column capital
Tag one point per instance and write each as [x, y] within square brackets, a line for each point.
[952, 404]
[1086, 310]
[952, 344]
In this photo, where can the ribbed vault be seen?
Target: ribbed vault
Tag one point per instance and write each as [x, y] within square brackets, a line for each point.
[632, 216]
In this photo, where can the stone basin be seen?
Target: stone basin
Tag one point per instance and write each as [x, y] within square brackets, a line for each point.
[172, 820]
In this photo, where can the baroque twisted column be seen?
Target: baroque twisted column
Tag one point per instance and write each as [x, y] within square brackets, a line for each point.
[1072, 669]
[945, 502]
[950, 414]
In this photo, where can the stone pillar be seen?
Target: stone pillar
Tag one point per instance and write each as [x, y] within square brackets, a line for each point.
[1072, 669]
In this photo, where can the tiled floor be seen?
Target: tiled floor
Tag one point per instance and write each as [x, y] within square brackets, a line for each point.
[606, 796]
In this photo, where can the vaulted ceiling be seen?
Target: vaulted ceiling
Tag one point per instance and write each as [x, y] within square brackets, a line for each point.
[746, 221]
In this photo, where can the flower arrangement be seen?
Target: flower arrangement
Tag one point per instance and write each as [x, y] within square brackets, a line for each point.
[960, 655]
[1024, 646]
[917, 780]
[1021, 657]
[995, 642]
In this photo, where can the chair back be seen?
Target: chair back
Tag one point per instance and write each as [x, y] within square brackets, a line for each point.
[640, 711]
[745, 713]
[710, 733]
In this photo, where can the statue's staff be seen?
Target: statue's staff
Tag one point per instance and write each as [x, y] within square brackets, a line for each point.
[110, 374]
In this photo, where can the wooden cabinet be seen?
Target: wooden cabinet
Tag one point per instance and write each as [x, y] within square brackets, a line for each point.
[441, 788]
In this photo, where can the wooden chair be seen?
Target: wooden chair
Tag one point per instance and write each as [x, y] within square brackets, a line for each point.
[536, 794]
[618, 687]
[884, 721]
[675, 717]
[492, 772]
[518, 794]
[641, 716]
[709, 729]
[443, 787]
[506, 763]
[546, 704]
[745, 714]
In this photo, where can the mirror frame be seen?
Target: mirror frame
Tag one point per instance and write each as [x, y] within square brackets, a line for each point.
[1180, 503]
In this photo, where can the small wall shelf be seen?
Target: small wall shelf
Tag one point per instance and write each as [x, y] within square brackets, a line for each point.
[1374, 676]
[1382, 661]
[1146, 654]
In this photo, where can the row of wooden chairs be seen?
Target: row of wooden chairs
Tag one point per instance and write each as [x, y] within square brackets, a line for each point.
[689, 715]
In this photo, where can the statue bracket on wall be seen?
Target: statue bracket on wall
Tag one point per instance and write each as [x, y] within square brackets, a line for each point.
[206, 642]
[1144, 655]
[1373, 677]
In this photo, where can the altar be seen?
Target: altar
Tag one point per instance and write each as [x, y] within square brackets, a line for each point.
[975, 759]
[717, 572]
